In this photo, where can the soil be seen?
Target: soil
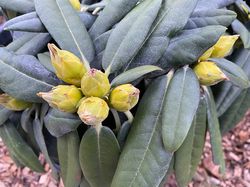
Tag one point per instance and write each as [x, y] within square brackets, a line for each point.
[236, 145]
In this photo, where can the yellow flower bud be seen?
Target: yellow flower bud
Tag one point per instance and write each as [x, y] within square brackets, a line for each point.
[93, 110]
[68, 67]
[224, 45]
[209, 73]
[95, 83]
[76, 4]
[63, 97]
[13, 104]
[124, 97]
[206, 55]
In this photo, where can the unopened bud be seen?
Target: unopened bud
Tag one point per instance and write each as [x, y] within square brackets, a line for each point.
[93, 110]
[68, 67]
[124, 97]
[76, 4]
[209, 73]
[13, 104]
[224, 45]
[95, 83]
[206, 55]
[63, 97]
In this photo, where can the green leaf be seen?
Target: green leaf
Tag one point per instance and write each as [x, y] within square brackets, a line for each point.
[180, 105]
[212, 4]
[22, 6]
[172, 17]
[22, 77]
[68, 154]
[4, 114]
[66, 27]
[60, 123]
[129, 35]
[214, 131]
[44, 59]
[188, 156]
[19, 42]
[38, 132]
[99, 154]
[19, 148]
[189, 45]
[234, 72]
[244, 33]
[205, 17]
[34, 45]
[123, 133]
[113, 12]
[133, 74]
[144, 161]
[20, 18]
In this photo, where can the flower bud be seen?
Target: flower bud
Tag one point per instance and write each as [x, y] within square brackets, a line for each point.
[68, 67]
[13, 104]
[209, 73]
[63, 97]
[93, 110]
[124, 97]
[206, 55]
[76, 4]
[223, 46]
[95, 83]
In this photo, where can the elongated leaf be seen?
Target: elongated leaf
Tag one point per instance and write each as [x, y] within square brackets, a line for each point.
[59, 123]
[19, 148]
[23, 6]
[66, 27]
[180, 105]
[169, 22]
[204, 4]
[202, 18]
[30, 25]
[129, 35]
[99, 154]
[144, 161]
[214, 131]
[133, 74]
[244, 33]
[44, 59]
[87, 18]
[68, 153]
[35, 45]
[235, 74]
[189, 45]
[4, 114]
[123, 133]
[23, 17]
[188, 156]
[16, 44]
[23, 77]
[38, 132]
[112, 13]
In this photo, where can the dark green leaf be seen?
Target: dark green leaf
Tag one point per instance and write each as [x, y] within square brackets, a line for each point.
[59, 123]
[66, 27]
[172, 17]
[19, 148]
[112, 13]
[180, 105]
[23, 77]
[133, 74]
[123, 133]
[205, 17]
[22, 6]
[144, 161]
[189, 45]
[99, 154]
[214, 131]
[129, 35]
[68, 153]
[188, 156]
[234, 72]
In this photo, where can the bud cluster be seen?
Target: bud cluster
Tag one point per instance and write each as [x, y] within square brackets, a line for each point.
[90, 93]
[208, 72]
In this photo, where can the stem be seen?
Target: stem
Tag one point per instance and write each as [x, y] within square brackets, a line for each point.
[107, 71]
[117, 120]
[98, 127]
[129, 116]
